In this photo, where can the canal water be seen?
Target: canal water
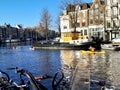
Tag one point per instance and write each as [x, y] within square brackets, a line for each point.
[38, 62]
[99, 69]
[104, 67]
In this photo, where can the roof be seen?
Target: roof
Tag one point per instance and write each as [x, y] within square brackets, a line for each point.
[70, 8]
[83, 6]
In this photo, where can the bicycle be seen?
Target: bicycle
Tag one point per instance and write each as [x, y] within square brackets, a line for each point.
[8, 84]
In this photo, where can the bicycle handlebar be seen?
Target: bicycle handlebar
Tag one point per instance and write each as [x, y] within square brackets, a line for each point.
[33, 80]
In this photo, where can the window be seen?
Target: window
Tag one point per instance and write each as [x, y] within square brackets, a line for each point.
[72, 25]
[108, 2]
[101, 17]
[78, 15]
[91, 21]
[114, 23]
[113, 1]
[96, 11]
[101, 21]
[81, 32]
[77, 24]
[83, 14]
[114, 11]
[91, 12]
[108, 24]
[85, 32]
[96, 20]
[65, 19]
[108, 14]
[65, 27]
[101, 12]
[83, 23]
[96, 5]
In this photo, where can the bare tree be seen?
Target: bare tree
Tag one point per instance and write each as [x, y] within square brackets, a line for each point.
[45, 20]
[72, 7]
[64, 3]
[57, 23]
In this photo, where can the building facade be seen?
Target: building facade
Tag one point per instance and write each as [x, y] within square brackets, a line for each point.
[112, 18]
[101, 18]
[96, 19]
[74, 23]
[7, 32]
[89, 22]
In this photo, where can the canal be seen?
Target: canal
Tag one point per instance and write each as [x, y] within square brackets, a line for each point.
[39, 62]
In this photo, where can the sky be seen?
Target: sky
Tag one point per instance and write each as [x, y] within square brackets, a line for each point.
[27, 12]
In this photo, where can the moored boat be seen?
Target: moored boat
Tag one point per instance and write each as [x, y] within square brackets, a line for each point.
[117, 48]
[107, 47]
[10, 40]
[53, 45]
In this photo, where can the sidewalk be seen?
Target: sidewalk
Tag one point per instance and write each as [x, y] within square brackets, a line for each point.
[81, 77]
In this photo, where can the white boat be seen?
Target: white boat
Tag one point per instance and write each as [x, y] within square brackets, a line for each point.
[15, 40]
[11, 40]
[32, 48]
[107, 47]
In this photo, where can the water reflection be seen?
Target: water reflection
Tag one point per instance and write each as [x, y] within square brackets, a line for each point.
[70, 58]
[113, 71]
[106, 67]
[100, 67]
[38, 62]
[103, 67]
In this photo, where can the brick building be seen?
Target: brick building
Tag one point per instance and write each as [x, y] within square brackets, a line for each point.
[96, 19]
[101, 18]
[74, 23]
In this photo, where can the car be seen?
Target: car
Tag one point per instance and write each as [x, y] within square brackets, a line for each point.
[116, 40]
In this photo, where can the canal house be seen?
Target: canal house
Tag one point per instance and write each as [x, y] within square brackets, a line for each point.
[8, 33]
[96, 19]
[112, 18]
[80, 22]
[74, 24]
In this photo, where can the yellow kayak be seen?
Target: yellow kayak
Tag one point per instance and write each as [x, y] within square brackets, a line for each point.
[92, 52]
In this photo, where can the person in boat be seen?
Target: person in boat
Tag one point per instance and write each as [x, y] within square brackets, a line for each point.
[92, 49]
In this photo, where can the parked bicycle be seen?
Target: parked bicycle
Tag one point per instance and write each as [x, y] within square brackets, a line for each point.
[58, 82]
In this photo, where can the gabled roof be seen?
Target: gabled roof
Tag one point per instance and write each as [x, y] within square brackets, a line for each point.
[70, 8]
[90, 4]
[83, 6]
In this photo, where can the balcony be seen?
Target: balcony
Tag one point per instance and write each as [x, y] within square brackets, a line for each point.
[114, 4]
